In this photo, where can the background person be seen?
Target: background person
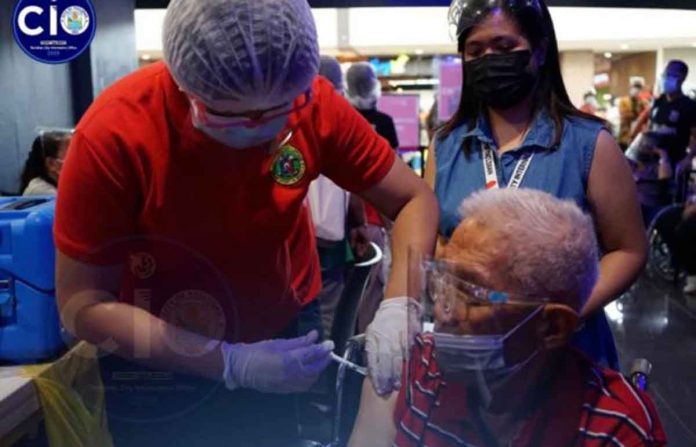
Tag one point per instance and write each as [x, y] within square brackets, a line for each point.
[652, 172]
[631, 107]
[516, 127]
[364, 91]
[45, 161]
[673, 114]
[339, 223]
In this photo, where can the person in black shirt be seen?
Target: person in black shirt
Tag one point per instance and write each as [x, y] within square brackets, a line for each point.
[673, 114]
[364, 90]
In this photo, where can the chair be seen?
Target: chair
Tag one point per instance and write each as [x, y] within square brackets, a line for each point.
[342, 334]
[356, 284]
[661, 262]
[639, 376]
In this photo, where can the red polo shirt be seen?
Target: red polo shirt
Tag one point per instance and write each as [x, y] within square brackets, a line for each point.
[194, 219]
[588, 406]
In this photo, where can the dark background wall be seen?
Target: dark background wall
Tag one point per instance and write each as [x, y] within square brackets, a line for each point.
[34, 95]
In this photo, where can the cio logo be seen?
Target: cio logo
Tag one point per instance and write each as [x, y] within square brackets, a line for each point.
[54, 31]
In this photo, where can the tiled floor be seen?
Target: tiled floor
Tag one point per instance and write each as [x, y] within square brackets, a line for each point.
[658, 322]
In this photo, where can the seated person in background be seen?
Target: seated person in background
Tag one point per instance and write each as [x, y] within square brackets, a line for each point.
[652, 171]
[685, 238]
[685, 234]
[686, 171]
[507, 376]
[42, 168]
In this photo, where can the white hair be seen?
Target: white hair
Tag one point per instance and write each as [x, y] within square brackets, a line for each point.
[548, 245]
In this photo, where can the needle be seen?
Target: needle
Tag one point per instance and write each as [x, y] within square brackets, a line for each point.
[358, 369]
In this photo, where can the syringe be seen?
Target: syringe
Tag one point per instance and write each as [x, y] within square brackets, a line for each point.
[358, 369]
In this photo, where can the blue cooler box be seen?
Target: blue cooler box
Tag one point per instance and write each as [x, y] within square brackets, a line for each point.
[30, 328]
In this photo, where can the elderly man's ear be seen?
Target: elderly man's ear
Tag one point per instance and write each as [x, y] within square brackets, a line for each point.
[559, 323]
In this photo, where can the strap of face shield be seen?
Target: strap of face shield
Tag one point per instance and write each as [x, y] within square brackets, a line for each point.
[465, 14]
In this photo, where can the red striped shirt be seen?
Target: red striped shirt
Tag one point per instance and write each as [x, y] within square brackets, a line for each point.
[592, 407]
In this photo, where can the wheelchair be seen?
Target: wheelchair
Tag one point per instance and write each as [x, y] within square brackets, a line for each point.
[662, 263]
[347, 383]
[351, 347]
[661, 232]
[348, 388]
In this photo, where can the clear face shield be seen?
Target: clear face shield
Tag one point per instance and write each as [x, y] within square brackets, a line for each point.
[481, 337]
[53, 134]
[54, 140]
[463, 15]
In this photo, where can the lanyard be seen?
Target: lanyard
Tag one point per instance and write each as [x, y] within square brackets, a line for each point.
[492, 176]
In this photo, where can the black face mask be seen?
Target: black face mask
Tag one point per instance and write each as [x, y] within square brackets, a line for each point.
[501, 81]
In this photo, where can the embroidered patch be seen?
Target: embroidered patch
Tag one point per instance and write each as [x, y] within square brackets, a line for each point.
[288, 166]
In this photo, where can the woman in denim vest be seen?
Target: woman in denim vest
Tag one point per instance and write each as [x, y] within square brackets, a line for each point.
[516, 127]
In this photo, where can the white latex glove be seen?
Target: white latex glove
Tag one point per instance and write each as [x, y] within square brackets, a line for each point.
[386, 342]
[276, 366]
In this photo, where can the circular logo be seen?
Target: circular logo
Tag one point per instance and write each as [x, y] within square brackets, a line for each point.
[175, 282]
[288, 166]
[74, 20]
[194, 311]
[142, 265]
[54, 32]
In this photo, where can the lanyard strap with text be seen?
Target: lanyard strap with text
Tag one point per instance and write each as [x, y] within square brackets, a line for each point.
[492, 176]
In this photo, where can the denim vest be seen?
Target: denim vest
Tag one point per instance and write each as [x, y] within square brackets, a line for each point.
[562, 171]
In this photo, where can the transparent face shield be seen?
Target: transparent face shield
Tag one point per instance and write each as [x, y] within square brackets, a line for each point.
[465, 14]
[51, 137]
[480, 336]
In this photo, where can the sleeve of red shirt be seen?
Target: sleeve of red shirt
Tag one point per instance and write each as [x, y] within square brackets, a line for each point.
[97, 203]
[351, 153]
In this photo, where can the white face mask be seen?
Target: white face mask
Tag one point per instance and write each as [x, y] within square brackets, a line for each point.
[478, 361]
[465, 353]
[369, 102]
[241, 137]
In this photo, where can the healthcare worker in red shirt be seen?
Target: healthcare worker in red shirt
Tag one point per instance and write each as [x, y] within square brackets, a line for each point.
[183, 242]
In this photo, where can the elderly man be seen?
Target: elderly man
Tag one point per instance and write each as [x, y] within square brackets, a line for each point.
[504, 297]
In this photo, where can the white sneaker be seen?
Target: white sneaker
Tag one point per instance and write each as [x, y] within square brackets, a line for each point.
[690, 286]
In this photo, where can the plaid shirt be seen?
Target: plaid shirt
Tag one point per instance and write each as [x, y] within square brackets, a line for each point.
[593, 407]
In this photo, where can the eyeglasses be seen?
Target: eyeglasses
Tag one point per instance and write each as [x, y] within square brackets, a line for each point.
[216, 121]
[443, 284]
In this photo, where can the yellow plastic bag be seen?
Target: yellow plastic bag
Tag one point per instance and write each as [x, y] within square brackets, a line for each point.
[72, 399]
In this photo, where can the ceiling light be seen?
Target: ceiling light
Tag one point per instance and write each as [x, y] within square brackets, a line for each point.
[608, 55]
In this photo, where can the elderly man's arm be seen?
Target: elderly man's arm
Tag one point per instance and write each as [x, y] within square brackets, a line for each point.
[374, 426]
[614, 200]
